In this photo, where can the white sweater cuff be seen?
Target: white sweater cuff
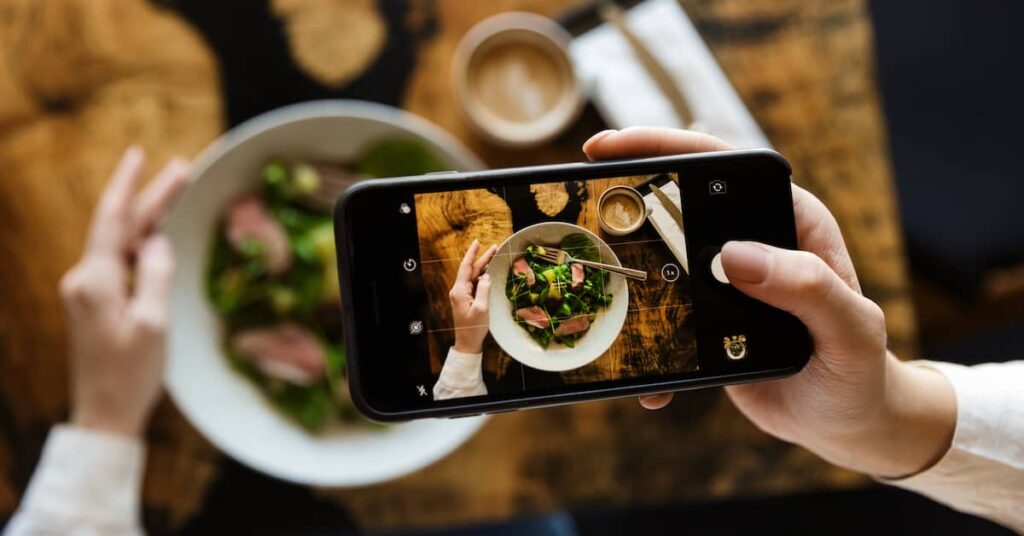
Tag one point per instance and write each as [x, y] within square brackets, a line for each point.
[87, 477]
[983, 471]
[461, 376]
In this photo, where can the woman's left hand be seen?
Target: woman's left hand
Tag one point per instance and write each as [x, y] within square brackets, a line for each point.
[469, 306]
[117, 300]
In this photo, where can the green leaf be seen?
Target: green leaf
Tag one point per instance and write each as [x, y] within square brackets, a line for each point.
[399, 158]
[580, 247]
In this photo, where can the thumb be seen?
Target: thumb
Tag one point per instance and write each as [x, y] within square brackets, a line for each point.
[153, 277]
[802, 284]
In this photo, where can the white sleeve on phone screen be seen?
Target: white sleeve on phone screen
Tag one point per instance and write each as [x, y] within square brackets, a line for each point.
[461, 375]
[983, 471]
[87, 483]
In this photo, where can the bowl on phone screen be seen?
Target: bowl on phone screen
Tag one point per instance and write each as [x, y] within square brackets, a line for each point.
[223, 405]
[514, 338]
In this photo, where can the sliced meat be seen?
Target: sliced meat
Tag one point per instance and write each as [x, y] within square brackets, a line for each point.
[287, 352]
[534, 316]
[572, 326]
[249, 220]
[578, 275]
[521, 267]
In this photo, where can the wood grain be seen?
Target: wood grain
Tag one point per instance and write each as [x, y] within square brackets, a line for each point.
[80, 79]
[657, 337]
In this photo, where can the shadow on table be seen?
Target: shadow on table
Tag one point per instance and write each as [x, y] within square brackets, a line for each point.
[246, 502]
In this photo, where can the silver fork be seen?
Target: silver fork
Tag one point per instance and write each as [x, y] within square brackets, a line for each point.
[560, 256]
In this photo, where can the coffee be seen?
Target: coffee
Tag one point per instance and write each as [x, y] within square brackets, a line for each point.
[620, 211]
[516, 81]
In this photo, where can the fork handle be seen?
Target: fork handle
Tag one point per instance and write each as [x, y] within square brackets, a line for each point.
[628, 272]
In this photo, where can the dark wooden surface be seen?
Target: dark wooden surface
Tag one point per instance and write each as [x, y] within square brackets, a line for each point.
[80, 79]
[657, 337]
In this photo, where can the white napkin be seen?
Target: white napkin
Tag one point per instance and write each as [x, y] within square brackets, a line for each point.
[625, 94]
[666, 225]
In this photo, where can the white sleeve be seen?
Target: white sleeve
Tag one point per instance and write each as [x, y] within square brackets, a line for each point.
[87, 484]
[461, 375]
[983, 471]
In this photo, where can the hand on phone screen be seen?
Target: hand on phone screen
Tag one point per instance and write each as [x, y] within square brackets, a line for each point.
[468, 297]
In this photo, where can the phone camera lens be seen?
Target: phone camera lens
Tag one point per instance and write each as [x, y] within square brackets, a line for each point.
[717, 187]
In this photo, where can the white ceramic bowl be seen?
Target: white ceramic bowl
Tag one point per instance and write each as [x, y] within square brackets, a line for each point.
[516, 341]
[227, 408]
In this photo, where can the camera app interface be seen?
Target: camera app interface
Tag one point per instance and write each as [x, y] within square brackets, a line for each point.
[538, 286]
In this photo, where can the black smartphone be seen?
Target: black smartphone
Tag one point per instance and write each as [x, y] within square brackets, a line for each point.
[605, 282]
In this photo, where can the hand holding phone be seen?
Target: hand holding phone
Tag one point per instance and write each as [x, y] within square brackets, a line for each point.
[854, 404]
[436, 328]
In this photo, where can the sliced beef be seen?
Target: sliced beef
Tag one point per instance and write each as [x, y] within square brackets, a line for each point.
[578, 276]
[534, 316]
[249, 221]
[572, 326]
[286, 352]
[521, 267]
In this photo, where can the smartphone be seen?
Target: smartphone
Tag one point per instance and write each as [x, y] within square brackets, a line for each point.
[555, 327]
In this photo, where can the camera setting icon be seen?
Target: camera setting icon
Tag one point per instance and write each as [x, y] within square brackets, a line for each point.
[717, 187]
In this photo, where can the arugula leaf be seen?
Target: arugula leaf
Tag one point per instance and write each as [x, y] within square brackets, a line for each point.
[580, 247]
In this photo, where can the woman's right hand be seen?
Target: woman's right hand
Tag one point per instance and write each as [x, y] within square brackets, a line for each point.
[469, 305]
[854, 404]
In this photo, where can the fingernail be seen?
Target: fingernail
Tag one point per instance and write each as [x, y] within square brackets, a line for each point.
[746, 261]
[597, 137]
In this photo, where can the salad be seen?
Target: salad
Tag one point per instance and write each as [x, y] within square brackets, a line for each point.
[273, 277]
[557, 302]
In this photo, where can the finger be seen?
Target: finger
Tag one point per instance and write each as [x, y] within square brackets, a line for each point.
[649, 141]
[481, 264]
[157, 198]
[465, 274]
[153, 277]
[803, 284]
[109, 231]
[483, 290]
[657, 401]
[462, 289]
[818, 232]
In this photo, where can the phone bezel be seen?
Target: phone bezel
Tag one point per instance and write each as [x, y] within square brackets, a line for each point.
[567, 172]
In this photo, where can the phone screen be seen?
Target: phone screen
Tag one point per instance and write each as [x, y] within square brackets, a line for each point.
[552, 322]
[430, 339]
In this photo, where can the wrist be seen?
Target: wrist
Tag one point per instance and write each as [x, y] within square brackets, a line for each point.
[468, 347]
[101, 422]
[912, 429]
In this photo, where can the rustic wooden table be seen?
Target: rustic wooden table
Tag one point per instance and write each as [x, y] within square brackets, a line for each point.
[657, 336]
[81, 79]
